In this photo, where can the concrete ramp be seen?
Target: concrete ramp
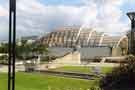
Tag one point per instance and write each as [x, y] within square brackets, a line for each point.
[71, 58]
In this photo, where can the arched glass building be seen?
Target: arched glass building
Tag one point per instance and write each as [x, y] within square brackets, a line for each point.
[88, 42]
[73, 36]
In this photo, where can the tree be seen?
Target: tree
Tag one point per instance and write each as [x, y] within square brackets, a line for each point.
[3, 52]
[121, 78]
[4, 48]
[23, 51]
[39, 49]
[30, 50]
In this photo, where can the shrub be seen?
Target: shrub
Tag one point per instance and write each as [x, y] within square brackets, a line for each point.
[121, 77]
[4, 59]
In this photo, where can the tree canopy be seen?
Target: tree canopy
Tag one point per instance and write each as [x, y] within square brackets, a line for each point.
[30, 50]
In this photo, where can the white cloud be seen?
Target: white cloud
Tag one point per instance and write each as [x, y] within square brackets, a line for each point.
[102, 14]
[38, 18]
[109, 16]
[3, 11]
[33, 17]
[131, 1]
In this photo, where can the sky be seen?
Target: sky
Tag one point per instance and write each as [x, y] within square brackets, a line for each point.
[36, 17]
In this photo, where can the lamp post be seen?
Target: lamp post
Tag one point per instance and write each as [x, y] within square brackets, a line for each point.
[12, 45]
[131, 36]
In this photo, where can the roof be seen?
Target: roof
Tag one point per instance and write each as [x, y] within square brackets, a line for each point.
[70, 36]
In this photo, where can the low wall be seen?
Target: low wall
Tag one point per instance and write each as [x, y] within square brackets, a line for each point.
[90, 53]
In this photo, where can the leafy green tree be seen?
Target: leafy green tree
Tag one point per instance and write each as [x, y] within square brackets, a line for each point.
[4, 48]
[23, 50]
[3, 59]
[39, 50]
[3, 52]
[30, 50]
[121, 78]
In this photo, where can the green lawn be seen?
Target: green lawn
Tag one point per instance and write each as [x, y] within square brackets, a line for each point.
[25, 81]
[82, 69]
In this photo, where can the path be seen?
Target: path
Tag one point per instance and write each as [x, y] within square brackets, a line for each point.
[69, 74]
